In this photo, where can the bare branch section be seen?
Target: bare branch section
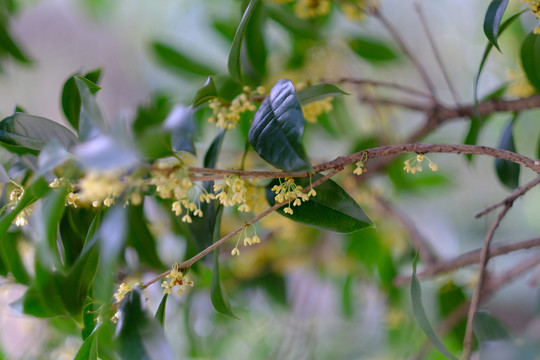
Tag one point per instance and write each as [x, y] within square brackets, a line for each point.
[467, 259]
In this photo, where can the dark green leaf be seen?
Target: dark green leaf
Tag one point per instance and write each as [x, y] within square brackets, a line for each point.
[318, 92]
[160, 312]
[181, 123]
[508, 171]
[372, 50]
[71, 98]
[217, 294]
[206, 93]
[331, 209]
[91, 120]
[487, 50]
[277, 129]
[12, 257]
[530, 59]
[9, 46]
[234, 62]
[53, 210]
[140, 336]
[179, 62]
[488, 328]
[29, 133]
[141, 239]
[79, 279]
[211, 156]
[493, 19]
[421, 317]
[254, 43]
[89, 348]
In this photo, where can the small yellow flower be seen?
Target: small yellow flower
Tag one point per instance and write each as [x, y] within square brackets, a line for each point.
[123, 290]
[235, 251]
[288, 210]
[174, 278]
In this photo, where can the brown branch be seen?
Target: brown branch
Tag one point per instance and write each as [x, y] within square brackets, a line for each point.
[467, 259]
[420, 244]
[475, 301]
[405, 89]
[515, 194]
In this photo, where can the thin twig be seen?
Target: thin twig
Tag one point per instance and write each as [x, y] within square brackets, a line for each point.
[420, 244]
[436, 52]
[515, 194]
[405, 89]
[188, 263]
[399, 41]
[467, 259]
[475, 301]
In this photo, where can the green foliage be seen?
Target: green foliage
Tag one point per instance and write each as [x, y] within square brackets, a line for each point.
[507, 171]
[372, 50]
[530, 59]
[493, 19]
[277, 129]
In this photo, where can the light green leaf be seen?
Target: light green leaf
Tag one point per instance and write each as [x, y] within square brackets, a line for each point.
[331, 209]
[318, 92]
[160, 312]
[206, 93]
[421, 317]
[178, 62]
[234, 62]
[89, 348]
[277, 129]
[373, 50]
[493, 19]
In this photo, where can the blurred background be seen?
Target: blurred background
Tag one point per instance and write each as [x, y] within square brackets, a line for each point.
[303, 293]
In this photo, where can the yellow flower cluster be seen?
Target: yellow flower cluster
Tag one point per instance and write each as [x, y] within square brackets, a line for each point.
[233, 191]
[313, 110]
[415, 164]
[519, 85]
[176, 278]
[289, 191]
[227, 115]
[21, 218]
[307, 9]
[98, 188]
[171, 178]
[534, 5]
[123, 290]
[72, 197]
[248, 240]
[356, 10]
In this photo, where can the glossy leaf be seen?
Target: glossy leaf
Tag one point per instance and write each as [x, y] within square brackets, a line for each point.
[23, 133]
[421, 317]
[180, 63]
[277, 129]
[234, 62]
[318, 92]
[493, 19]
[206, 93]
[71, 98]
[89, 348]
[488, 328]
[160, 312]
[217, 294]
[331, 209]
[507, 171]
[181, 123]
[91, 120]
[372, 50]
[530, 59]
[140, 336]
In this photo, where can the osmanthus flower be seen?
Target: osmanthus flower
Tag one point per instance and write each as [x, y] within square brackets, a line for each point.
[534, 5]
[101, 187]
[233, 191]
[307, 9]
[22, 217]
[357, 10]
[178, 278]
[414, 164]
[72, 198]
[288, 191]
[361, 165]
[248, 240]
[226, 115]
